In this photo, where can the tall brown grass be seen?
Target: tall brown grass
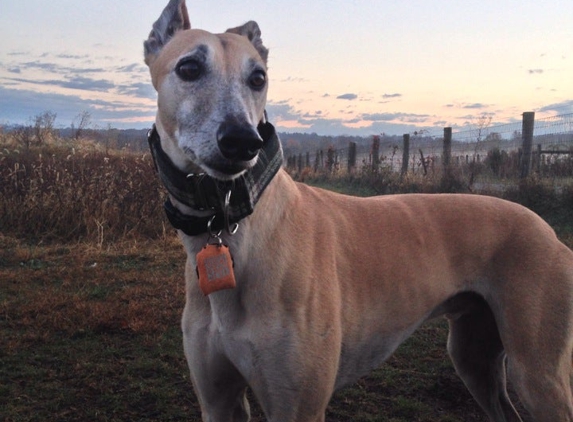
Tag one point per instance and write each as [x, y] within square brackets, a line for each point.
[65, 191]
[69, 191]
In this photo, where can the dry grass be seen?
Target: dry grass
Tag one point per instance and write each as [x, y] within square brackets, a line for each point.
[68, 192]
[69, 289]
[93, 334]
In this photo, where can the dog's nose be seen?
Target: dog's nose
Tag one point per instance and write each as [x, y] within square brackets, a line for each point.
[238, 142]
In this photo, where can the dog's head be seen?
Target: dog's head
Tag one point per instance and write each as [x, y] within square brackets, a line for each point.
[212, 92]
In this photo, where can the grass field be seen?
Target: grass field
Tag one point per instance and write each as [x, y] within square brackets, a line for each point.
[93, 335]
[90, 306]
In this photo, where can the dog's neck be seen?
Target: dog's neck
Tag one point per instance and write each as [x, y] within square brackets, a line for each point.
[206, 195]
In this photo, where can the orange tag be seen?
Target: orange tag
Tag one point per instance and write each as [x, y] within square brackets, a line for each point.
[215, 269]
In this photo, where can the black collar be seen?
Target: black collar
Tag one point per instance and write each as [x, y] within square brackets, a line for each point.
[202, 192]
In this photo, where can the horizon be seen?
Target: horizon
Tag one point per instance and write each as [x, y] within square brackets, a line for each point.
[356, 68]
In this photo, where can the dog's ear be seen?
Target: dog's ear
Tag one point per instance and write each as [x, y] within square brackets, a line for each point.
[252, 31]
[174, 18]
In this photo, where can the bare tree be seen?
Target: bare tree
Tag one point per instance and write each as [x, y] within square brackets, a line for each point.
[44, 126]
[24, 136]
[83, 121]
[482, 125]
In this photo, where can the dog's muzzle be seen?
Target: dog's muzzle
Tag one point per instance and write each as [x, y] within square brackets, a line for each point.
[238, 142]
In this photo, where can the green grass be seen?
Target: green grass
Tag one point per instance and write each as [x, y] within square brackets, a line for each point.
[97, 376]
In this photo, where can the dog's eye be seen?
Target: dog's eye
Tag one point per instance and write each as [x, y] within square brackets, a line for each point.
[189, 70]
[258, 79]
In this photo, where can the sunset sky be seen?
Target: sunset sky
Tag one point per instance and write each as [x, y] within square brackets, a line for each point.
[356, 67]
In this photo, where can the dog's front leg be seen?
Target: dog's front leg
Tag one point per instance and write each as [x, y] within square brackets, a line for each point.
[219, 386]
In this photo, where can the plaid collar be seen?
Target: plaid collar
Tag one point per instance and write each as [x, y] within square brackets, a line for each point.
[202, 192]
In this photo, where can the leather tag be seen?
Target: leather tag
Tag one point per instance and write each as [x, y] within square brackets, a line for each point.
[215, 269]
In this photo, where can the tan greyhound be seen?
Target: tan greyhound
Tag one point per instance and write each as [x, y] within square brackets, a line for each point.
[314, 289]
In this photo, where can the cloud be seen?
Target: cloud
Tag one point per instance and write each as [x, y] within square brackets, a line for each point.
[361, 125]
[402, 117]
[395, 128]
[415, 119]
[386, 96]
[87, 84]
[467, 106]
[379, 117]
[475, 106]
[72, 56]
[78, 82]
[563, 107]
[349, 97]
[535, 71]
[74, 71]
[473, 117]
[18, 105]
[58, 68]
[139, 90]
[317, 114]
[38, 65]
[133, 68]
[281, 111]
[31, 84]
[294, 79]
[18, 53]
[328, 127]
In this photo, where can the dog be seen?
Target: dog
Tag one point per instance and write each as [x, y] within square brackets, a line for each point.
[294, 291]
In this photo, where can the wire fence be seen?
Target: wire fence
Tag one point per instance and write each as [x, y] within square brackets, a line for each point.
[498, 149]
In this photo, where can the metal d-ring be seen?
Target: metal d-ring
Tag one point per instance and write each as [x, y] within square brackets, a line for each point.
[231, 230]
[214, 234]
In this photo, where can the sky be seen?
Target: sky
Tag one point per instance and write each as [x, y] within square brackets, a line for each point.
[336, 67]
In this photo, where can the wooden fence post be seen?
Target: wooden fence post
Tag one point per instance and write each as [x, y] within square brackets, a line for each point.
[423, 161]
[527, 133]
[375, 153]
[447, 154]
[330, 153]
[405, 154]
[351, 156]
